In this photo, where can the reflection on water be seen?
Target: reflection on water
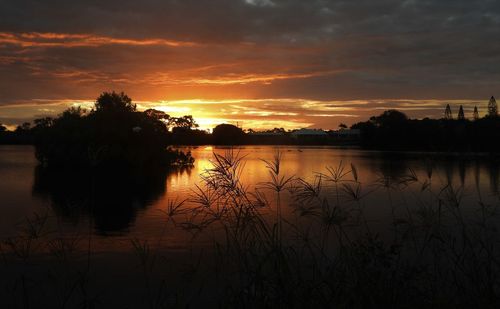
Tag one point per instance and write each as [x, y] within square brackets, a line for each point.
[392, 166]
[493, 171]
[413, 209]
[481, 173]
[131, 205]
[111, 198]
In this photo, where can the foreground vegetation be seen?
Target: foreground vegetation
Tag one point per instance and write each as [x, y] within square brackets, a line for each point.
[289, 243]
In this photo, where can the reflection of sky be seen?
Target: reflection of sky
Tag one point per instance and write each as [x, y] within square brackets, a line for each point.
[16, 164]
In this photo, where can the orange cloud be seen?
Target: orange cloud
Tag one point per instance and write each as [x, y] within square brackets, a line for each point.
[232, 79]
[47, 39]
[259, 114]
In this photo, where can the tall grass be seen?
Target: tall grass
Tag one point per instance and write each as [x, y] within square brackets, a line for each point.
[326, 252]
[298, 243]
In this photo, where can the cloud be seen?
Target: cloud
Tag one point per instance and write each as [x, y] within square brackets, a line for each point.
[260, 2]
[317, 50]
[264, 113]
[67, 40]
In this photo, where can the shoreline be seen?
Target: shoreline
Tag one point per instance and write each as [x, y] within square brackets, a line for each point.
[347, 147]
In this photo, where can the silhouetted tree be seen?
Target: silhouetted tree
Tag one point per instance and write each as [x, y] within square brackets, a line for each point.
[186, 122]
[343, 126]
[112, 198]
[389, 118]
[156, 114]
[447, 112]
[278, 130]
[114, 102]
[391, 131]
[461, 115]
[42, 123]
[475, 115]
[228, 134]
[492, 107]
[114, 134]
[25, 127]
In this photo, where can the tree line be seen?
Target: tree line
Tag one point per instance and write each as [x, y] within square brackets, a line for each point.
[393, 130]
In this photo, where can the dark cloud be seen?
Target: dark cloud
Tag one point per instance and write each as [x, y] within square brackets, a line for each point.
[315, 49]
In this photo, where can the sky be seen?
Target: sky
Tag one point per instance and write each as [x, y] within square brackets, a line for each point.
[258, 63]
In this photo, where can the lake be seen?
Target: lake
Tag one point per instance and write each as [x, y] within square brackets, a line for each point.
[139, 213]
[111, 218]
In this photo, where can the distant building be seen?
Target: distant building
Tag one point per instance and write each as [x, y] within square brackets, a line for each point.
[305, 137]
[269, 138]
[346, 133]
[266, 133]
[308, 133]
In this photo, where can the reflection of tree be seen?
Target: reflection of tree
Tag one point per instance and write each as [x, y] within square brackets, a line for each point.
[461, 171]
[111, 198]
[477, 175]
[393, 166]
[447, 165]
[494, 173]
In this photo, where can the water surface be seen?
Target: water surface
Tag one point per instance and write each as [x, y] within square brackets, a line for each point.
[117, 208]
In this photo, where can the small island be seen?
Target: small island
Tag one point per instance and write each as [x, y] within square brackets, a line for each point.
[113, 134]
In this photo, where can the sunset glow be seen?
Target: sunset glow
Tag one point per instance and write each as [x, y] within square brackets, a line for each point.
[260, 64]
[249, 153]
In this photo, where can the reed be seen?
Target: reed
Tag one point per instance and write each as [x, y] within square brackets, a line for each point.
[326, 253]
[298, 243]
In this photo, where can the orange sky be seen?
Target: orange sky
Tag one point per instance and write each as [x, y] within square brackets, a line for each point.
[259, 63]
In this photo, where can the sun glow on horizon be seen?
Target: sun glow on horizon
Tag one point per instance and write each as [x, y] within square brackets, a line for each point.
[250, 113]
